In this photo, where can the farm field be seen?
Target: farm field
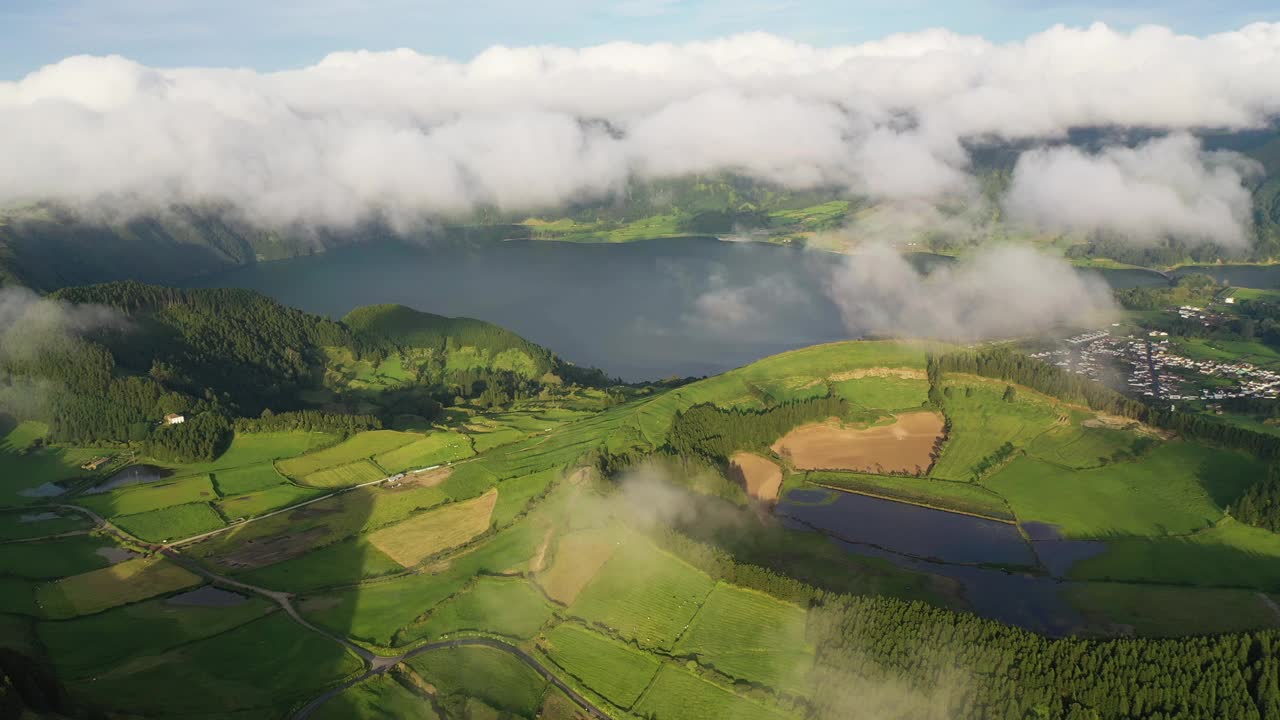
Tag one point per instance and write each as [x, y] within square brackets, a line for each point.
[24, 524]
[982, 422]
[257, 448]
[944, 494]
[260, 502]
[680, 695]
[135, 499]
[501, 606]
[345, 562]
[1176, 488]
[108, 587]
[171, 523]
[643, 594]
[96, 643]
[578, 557]
[340, 476]
[492, 676]
[247, 479]
[1079, 447]
[901, 446]
[618, 672]
[761, 477]
[414, 540]
[381, 696]
[1162, 611]
[884, 392]
[359, 447]
[750, 636]
[515, 494]
[56, 558]
[437, 448]
[1227, 555]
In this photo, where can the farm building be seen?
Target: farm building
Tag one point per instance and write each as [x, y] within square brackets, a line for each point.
[174, 419]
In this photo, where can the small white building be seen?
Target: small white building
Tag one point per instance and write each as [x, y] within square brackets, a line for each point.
[174, 419]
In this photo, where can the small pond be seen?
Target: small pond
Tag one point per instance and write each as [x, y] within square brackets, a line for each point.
[132, 475]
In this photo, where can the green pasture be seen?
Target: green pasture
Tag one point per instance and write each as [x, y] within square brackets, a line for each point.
[643, 594]
[437, 448]
[678, 694]
[264, 501]
[618, 672]
[750, 636]
[18, 596]
[34, 523]
[247, 479]
[269, 664]
[1078, 446]
[339, 476]
[515, 494]
[134, 499]
[493, 676]
[381, 696]
[55, 558]
[1175, 488]
[358, 447]
[501, 606]
[97, 643]
[1163, 611]
[945, 494]
[171, 523]
[256, 448]
[883, 393]
[982, 421]
[1231, 554]
[108, 587]
[345, 562]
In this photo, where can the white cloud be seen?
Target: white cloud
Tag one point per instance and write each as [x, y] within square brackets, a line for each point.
[1168, 186]
[416, 136]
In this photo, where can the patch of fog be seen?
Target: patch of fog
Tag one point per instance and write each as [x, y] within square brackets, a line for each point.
[115, 555]
[132, 475]
[208, 596]
[46, 490]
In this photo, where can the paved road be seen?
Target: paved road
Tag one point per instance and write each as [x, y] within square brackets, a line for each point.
[524, 657]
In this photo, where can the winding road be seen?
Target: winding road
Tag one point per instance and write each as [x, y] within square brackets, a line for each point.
[378, 664]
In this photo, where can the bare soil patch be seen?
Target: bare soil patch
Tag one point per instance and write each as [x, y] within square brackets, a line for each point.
[261, 552]
[761, 477]
[902, 446]
[858, 374]
[424, 479]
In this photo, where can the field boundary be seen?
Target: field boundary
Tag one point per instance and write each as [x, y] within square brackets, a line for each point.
[917, 503]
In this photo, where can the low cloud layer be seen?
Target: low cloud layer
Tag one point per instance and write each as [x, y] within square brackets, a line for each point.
[1002, 292]
[408, 136]
[1165, 187]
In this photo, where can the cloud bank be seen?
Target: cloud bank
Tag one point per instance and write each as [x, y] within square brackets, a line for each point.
[409, 137]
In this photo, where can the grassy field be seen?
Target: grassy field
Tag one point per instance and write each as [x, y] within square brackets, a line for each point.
[618, 672]
[247, 479]
[1155, 611]
[981, 422]
[515, 494]
[18, 596]
[108, 587]
[359, 447]
[750, 636]
[256, 448]
[418, 538]
[883, 393]
[437, 448]
[376, 611]
[1176, 488]
[268, 664]
[1079, 447]
[172, 523]
[381, 696]
[502, 606]
[680, 695]
[23, 524]
[340, 476]
[342, 563]
[55, 558]
[945, 494]
[264, 501]
[578, 557]
[152, 496]
[1231, 554]
[497, 678]
[96, 643]
[643, 594]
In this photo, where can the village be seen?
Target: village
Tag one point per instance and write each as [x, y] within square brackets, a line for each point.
[1150, 366]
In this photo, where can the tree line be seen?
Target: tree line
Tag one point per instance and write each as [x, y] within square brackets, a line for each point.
[710, 432]
[1260, 504]
[309, 421]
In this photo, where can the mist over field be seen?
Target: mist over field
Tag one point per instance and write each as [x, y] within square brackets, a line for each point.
[405, 137]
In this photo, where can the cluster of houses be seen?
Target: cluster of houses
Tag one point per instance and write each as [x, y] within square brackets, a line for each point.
[1150, 367]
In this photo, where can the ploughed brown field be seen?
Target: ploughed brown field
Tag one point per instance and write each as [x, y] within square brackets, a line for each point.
[761, 477]
[902, 446]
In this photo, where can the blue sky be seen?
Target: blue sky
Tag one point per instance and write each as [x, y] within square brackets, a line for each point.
[275, 34]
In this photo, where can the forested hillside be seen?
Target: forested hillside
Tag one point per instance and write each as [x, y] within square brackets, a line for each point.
[214, 355]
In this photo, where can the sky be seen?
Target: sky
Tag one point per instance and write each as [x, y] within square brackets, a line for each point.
[284, 34]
